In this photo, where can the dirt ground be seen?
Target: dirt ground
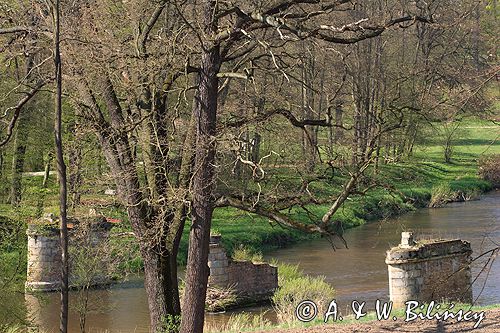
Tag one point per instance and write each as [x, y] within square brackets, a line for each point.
[490, 324]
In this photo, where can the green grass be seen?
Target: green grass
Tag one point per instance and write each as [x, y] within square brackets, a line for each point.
[263, 325]
[406, 186]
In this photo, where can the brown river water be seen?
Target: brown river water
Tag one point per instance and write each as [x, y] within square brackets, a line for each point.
[358, 273]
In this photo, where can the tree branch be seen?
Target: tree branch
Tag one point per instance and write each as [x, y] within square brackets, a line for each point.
[13, 30]
[17, 110]
[269, 19]
[276, 216]
[288, 115]
[142, 38]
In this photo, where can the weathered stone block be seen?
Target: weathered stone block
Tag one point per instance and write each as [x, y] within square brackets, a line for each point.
[430, 271]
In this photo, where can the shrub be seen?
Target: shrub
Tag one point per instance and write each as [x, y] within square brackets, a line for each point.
[442, 194]
[219, 298]
[287, 272]
[489, 169]
[462, 189]
[296, 287]
[243, 253]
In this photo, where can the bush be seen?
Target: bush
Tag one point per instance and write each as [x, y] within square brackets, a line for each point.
[441, 195]
[462, 189]
[243, 253]
[287, 272]
[489, 169]
[296, 287]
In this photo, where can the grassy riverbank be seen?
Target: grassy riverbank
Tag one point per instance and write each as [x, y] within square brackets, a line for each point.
[422, 180]
[368, 323]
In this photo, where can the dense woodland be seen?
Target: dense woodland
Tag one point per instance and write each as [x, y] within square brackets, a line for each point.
[273, 108]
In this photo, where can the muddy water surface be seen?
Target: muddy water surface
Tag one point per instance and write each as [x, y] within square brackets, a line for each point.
[357, 273]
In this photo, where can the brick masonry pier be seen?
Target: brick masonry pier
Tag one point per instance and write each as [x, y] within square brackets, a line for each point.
[44, 253]
[255, 281]
[44, 259]
[429, 270]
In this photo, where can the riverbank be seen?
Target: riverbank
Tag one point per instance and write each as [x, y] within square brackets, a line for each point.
[406, 186]
[490, 324]
[418, 181]
[422, 180]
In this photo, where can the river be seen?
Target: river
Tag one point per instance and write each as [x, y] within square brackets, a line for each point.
[358, 273]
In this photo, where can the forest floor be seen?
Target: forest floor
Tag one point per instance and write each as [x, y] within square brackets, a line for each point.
[490, 324]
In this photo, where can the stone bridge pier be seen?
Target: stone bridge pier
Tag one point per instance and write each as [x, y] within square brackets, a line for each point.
[430, 270]
[44, 252]
[44, 259]
[250, 281]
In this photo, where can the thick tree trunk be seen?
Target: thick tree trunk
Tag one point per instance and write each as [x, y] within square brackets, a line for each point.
[160, 282]
[160, 263]
[193, 310]
[158, 253]
[18, 161]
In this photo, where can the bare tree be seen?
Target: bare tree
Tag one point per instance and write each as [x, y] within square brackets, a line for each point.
[61, 167]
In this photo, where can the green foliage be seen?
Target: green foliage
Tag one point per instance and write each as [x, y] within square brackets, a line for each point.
[215, 232]
[170, 324]
[243, 253]
[287, 272]
[220, 299]
[442, 194]
[13, 254]
[242, 322]
[13, 329]
[463, 189]
[295, 287]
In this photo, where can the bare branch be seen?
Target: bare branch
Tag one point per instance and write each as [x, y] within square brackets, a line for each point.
[276, 216]
[243, 76]
[13, 30]
[288, 115]
[17, 110]
[142, 38]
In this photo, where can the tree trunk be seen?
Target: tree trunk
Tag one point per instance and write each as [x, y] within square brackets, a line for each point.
[160, 264]
[160, 282]
[1, 163]
[159, 256]
[193, 311]
[46, 173]
[309, 135]
[339, 134]
[75, 177]
[255, 147]
[20, 143]
[18, 161]
[61, 171]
